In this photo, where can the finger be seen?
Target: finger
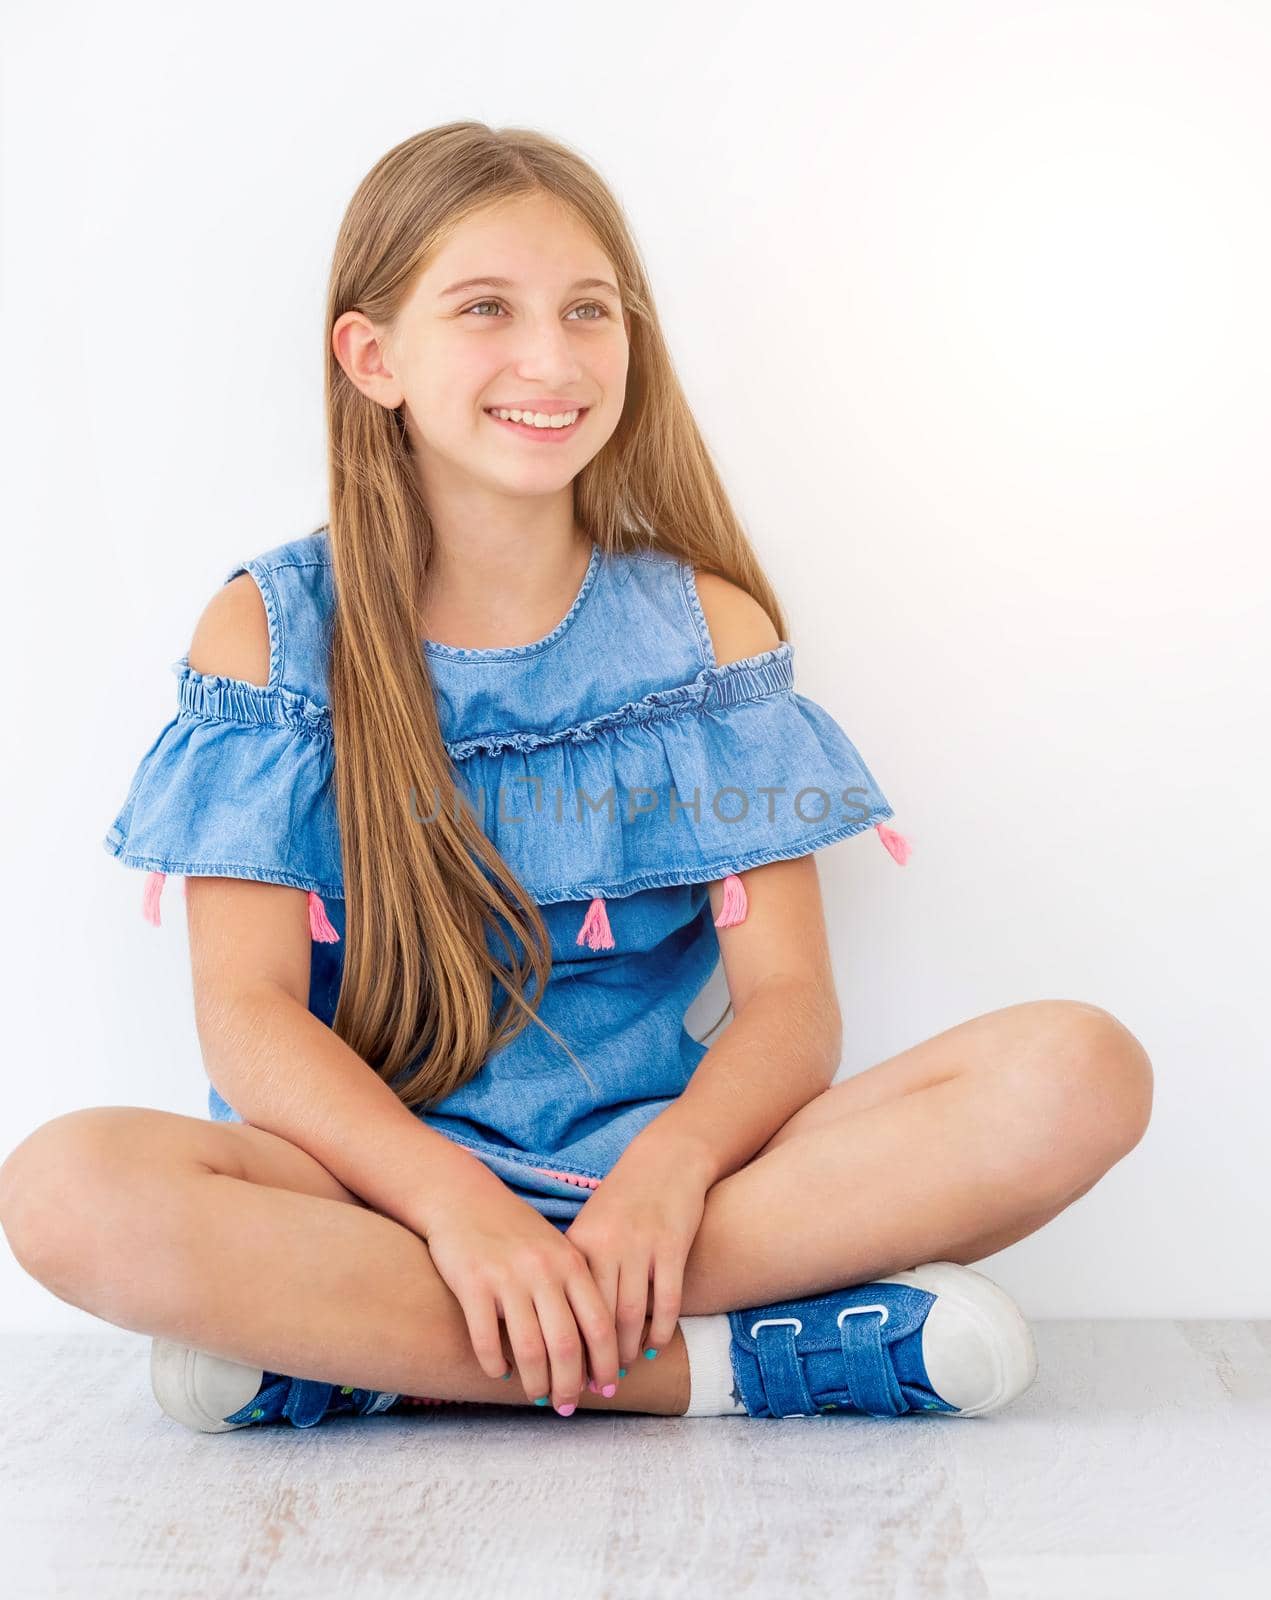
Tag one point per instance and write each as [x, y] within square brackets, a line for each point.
[526, 1338]
[604, 1274]
[633, 1303]
[480, 1309]
[595, 1323]
[564, 1344]
[668, 1287]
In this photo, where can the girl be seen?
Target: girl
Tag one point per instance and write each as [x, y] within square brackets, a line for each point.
[471, 789]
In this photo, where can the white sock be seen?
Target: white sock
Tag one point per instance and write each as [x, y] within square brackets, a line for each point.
[712, 1387]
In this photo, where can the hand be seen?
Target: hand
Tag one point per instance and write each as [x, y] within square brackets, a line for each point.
[636, 1230]
[501, 1258]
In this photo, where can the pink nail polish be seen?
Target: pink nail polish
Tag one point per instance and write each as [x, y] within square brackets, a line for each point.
[609, 1390]
[567, 1411]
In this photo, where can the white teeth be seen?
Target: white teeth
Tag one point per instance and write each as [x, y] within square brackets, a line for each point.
[539, 419]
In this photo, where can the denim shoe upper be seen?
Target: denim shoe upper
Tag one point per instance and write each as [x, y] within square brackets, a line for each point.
[854, 1349]
[305, 1401]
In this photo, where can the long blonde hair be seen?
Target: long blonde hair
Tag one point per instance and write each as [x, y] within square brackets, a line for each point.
[418, 979]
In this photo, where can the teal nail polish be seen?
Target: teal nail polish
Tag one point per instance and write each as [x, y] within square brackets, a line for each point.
[622, 1372]
[543, 1401]
[507, 1376]
[649, 1355]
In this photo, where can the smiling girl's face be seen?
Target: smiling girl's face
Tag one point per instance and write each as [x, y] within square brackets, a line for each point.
[550, 339]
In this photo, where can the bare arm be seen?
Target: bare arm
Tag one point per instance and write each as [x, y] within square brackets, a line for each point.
[276, 1063]
[285, 1071]
[783, 1046]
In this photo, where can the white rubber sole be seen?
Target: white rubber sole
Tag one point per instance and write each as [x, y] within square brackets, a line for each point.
[976, 1346]
[199, 1389]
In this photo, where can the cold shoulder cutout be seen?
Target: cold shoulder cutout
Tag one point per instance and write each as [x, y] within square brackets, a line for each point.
[736, 624]
[239, 782]
[231, 638]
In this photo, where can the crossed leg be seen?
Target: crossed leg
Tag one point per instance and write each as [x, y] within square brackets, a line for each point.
[231, 1239]
[949, 1151]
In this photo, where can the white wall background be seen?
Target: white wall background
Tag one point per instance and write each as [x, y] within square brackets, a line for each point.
[971, 302]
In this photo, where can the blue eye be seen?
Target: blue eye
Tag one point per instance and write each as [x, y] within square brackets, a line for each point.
[595, 304]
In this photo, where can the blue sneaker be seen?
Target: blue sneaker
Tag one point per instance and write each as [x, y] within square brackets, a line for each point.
[214, 1395]
[938, 1337]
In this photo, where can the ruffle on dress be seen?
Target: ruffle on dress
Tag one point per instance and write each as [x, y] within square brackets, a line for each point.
[239, 784]
[692, 784]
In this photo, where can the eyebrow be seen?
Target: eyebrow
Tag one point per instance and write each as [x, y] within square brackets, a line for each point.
[506, 283]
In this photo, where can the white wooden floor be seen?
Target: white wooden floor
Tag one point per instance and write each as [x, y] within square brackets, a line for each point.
[1137, 1464]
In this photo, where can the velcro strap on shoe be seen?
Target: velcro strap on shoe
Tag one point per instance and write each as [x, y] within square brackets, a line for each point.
[779, 1369]
[873, 1388]
[307, 1402]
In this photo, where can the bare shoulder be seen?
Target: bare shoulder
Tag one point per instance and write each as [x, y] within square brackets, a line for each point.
[231, 638]
[738, 625]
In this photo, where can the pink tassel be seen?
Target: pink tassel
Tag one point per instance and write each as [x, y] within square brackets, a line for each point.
[595, 932]
[150, 897]
[735, 904]
[896, 843]
[319, 924]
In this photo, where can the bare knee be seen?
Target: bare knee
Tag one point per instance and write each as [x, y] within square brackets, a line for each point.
[58, 1185]
[1114, 1077]
[1085, 1093]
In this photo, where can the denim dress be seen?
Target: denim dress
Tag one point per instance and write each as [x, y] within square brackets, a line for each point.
[616, 767]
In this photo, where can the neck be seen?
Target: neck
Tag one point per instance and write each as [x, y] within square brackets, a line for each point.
[496, 591]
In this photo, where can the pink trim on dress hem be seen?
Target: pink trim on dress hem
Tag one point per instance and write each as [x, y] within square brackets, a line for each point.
[569, 1177]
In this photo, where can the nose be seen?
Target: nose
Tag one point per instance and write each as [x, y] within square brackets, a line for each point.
[545, 356]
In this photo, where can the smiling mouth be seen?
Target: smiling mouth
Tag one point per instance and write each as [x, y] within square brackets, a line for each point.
[528, 430]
